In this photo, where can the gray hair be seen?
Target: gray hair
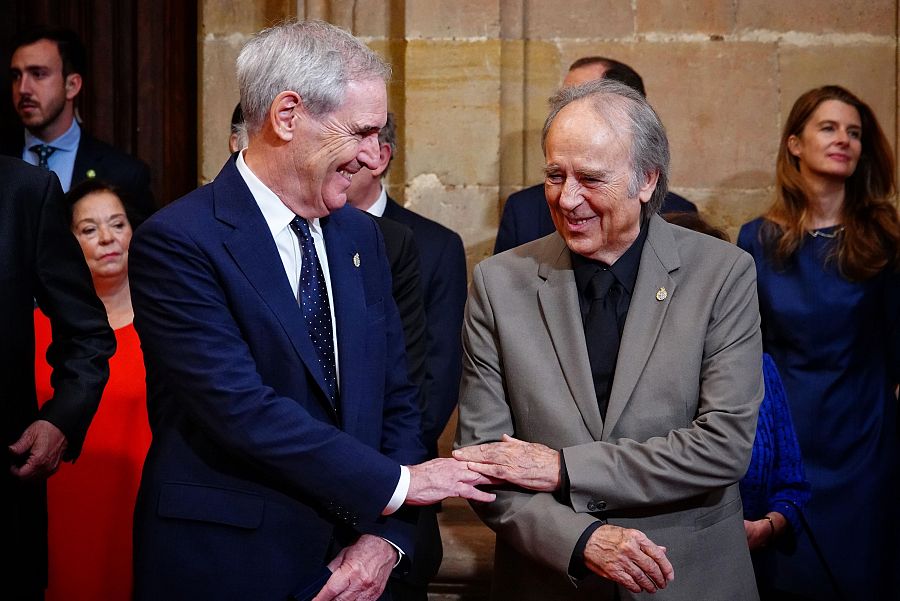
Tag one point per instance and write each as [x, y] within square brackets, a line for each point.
[619, 104]
[312, 58]
[388, 135]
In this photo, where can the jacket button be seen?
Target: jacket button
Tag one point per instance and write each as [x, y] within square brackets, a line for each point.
[596, 505]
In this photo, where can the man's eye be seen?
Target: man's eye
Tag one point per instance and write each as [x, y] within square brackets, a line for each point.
[554, 178]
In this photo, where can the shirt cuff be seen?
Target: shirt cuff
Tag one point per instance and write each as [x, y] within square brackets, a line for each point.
[399, 494]
[577, 568]
[400, 552]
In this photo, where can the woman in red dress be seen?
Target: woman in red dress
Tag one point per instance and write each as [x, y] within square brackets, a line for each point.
[90, 503]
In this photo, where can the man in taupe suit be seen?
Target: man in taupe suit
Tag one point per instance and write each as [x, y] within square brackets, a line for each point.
[624, 355]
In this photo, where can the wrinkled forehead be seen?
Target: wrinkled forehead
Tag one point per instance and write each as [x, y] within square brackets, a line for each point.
[592, 120]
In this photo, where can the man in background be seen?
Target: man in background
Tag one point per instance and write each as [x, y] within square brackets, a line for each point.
[47, 71]
[526, 216]
[442, 270]
[41, 260]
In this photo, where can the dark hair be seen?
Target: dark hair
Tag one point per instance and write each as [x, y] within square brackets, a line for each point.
[693, 221]
[71, 50]
[870, 239]
[237, 118]
[615, 70]
[91, 186]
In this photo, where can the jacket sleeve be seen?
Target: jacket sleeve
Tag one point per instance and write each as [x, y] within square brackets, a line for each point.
[82, 340]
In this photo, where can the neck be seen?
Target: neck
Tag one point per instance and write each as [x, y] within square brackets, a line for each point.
[370, 197]
[826, 201]
[115, 294]
[57, 127]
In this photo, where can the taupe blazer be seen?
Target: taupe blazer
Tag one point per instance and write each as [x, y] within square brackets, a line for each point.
[679, 428]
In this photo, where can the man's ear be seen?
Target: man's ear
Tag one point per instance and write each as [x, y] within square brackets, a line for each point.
[384, 159]
[283, 112]
[73, 85]
[645, 192]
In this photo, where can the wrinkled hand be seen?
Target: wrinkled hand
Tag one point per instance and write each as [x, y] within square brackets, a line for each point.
[758, 533]
[360, 571]
[530, 465]
[42, 446]
[435, 480]
[628, 557]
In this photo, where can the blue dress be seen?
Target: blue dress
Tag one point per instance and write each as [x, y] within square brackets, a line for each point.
[830, 339]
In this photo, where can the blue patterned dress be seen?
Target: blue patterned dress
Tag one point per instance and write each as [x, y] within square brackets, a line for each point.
[831, 340]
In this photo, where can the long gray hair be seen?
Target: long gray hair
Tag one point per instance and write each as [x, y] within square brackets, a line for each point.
[616, 102]
[313, 58]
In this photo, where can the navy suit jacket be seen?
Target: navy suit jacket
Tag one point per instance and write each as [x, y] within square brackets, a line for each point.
[526, 216]
[130, 175]
[252, 476]
[442, 270]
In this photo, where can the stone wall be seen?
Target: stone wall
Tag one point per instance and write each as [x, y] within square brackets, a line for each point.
[471, 78]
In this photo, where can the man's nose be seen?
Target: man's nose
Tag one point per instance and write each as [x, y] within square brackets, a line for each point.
[369, 151]
[570, 195]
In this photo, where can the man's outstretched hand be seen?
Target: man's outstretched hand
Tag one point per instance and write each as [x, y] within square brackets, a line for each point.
[438, 479]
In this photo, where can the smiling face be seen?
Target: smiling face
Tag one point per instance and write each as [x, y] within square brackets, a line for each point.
[830, 143]
[41, 94]
[102, 229]
[588, 172]
[331, 148]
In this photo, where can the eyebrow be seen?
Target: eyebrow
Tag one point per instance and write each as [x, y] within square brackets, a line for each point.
[833, 122]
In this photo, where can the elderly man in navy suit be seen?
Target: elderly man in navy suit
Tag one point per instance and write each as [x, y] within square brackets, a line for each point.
[442, 269]
[285, 430]
[526, 216]
[46, 69]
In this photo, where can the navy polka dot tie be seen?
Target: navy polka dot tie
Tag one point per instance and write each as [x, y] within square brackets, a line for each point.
[316, 306]
[43, 153]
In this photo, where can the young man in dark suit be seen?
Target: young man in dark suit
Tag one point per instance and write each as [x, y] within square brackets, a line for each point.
[47, 70]
[41, 260]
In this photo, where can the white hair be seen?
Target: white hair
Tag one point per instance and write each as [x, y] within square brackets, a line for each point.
[618, 103]
[312, 58]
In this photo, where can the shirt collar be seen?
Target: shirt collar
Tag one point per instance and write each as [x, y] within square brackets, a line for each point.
[276, 214]
[625, 268]
[379, 205]
[68, 141]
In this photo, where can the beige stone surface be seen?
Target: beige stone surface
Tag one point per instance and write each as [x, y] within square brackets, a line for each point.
[867, 70]
[365, 18]
[713, 17]
[512, 112]
[217, 99]
[875, 17]
[459, 19]
[719, 103]
[603, 19]
[453, 111]
[729, 208]
[241, 16]
[544, 69]
[470, 211]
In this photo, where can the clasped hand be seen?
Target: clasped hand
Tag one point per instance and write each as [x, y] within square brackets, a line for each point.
[530, 465]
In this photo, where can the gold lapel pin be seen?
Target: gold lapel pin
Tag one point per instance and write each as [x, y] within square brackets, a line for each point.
[661, 294]
[356, 259]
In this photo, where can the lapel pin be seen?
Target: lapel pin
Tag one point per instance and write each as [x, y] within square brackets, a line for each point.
[661, 294]
[91, 174]
[356, 259]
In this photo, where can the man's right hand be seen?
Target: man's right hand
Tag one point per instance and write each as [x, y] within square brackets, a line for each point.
[438, 479]
[627, 557]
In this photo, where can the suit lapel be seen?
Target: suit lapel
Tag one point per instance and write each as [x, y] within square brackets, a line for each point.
[558, 299]
[251, 246]
[349, 312]
[645, 316]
